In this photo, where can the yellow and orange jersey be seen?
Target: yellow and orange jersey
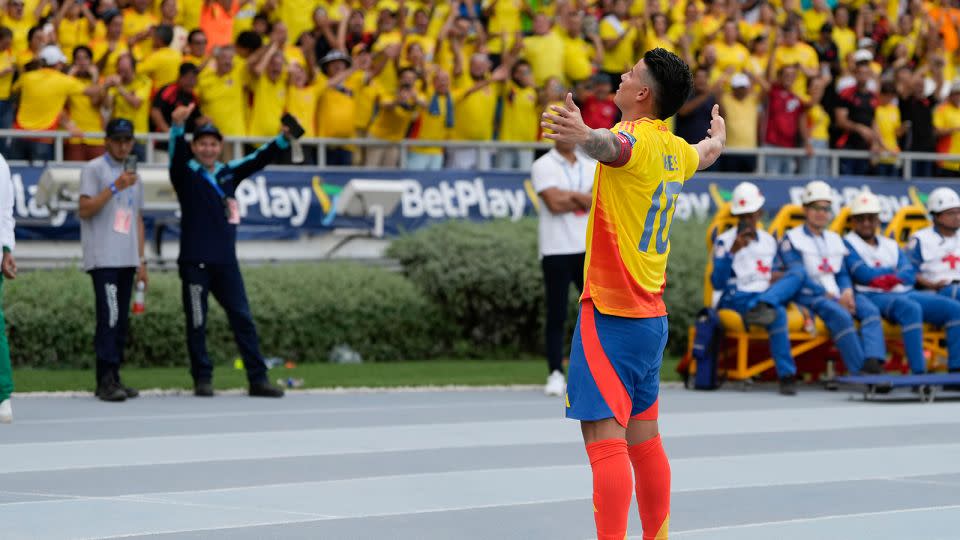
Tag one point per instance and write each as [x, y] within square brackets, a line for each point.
[634, 198]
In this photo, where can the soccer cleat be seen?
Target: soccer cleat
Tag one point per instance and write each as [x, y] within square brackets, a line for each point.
[203, 389]
[6, 412]
[788, 385]
[556, 384]
[265, 389]
[762, 314]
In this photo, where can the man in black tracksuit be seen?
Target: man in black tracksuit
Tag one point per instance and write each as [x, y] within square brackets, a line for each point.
[208, 232]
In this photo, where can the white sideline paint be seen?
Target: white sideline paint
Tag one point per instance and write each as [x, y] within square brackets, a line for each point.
[64, 455]
[447, 491]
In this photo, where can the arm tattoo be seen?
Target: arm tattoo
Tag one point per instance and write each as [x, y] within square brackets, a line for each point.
[602, 145]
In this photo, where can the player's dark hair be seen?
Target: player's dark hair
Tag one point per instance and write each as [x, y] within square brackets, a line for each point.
[672, 81]
[6, 33]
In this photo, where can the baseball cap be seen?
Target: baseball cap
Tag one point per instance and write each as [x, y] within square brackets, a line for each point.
[119, 128]
[207, 129]
[51, 55]
[740, 81]
[334, 56]
[862, 55]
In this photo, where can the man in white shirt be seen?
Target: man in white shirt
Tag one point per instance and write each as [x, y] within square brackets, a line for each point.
[9, 270]
[743, 271]
[563, 178]
[885, 275]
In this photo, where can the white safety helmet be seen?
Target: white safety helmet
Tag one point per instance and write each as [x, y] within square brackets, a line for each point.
[818, 190]
[942, 199]
[865, 203]
[746, 199]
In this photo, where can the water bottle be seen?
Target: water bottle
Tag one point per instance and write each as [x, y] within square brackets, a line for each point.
[139, 298]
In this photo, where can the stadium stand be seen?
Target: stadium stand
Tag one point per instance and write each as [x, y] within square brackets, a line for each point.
[864, 75]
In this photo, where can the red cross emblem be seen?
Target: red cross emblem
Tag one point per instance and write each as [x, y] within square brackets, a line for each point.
[827, 269]
[761, 268]
[952, 260]
[743, 202]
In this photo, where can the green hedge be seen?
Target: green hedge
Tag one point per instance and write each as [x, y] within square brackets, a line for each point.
[467, 290]
[301, 311]
[486, 278]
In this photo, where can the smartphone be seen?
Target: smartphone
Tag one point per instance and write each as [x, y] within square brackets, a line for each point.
[296, 130]
[130, 164]
[742, 227]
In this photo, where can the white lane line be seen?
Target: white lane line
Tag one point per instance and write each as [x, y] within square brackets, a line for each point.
[412, 492]
[231, 446]
[808, 520]
[277, 412]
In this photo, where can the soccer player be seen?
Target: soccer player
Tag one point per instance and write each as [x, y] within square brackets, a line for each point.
[614, 378]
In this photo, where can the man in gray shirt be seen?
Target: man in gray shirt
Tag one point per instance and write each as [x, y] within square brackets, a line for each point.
[111, 231]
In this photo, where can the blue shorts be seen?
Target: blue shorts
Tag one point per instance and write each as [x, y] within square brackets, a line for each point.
[615, 366]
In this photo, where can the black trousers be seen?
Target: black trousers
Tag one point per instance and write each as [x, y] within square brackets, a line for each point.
[112, 288]
[559, 271]
[224, 281]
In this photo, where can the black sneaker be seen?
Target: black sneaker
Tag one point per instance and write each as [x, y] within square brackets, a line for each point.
[203, 389]
[872, 367]
[788, 385]
[265, 389]
[762, 314]
[110, 390]
[130, 392]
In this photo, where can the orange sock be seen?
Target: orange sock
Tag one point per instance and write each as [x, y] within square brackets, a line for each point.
[652, 471]
[611, 487]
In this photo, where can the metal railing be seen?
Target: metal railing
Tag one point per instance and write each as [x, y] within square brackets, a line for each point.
[905, 160]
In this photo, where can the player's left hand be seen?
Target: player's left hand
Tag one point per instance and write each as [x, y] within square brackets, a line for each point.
[566, 123]
[718, 128]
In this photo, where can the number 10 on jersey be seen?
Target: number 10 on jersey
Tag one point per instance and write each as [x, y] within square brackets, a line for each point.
[673, 190]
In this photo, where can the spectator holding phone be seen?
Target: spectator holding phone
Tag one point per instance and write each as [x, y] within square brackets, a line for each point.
[112, 233]
[208, 234]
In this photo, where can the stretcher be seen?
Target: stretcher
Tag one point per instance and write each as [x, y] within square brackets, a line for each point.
[925, 385]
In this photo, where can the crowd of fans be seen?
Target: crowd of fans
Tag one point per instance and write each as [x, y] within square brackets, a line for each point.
[862, 74]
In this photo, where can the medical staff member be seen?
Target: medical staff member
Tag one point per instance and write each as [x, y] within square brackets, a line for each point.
[935, 251]
[743, 262]
[827, 289]
[885, 275]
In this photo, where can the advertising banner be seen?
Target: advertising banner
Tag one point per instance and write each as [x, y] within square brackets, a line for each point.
[287, 203]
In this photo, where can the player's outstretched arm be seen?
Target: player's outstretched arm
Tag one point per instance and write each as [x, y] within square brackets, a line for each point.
[568, 126]
[711, 147]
